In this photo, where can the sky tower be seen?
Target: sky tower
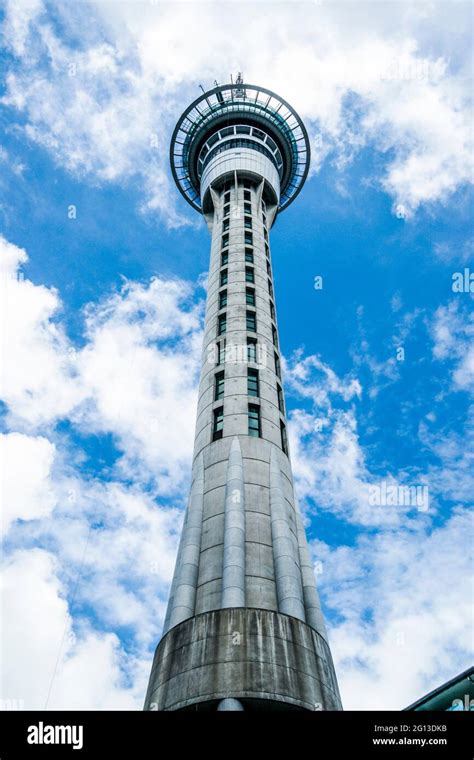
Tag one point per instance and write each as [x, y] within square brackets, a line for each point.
[243, 629]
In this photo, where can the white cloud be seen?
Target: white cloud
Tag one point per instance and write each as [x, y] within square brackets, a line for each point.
[111, 541]
[135, 377]
[45, 660]
[452, 332]
[37, 381]
[111, 550]
[17, 24]
[141, 369]
[355, 84]
[25, 486]
[451, 474]
[455, 254]
[329, 463]
[402, 597]
[309, 377]
[399, 595]
[331, 473]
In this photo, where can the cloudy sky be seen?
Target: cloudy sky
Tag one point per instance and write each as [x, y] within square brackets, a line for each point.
[102, 292]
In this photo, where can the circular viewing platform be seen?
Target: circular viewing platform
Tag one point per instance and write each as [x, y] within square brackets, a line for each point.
[239, 114]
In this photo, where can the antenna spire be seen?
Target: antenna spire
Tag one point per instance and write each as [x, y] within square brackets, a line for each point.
[239, 91]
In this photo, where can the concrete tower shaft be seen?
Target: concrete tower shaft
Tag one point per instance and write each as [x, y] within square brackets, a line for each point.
[244, 628]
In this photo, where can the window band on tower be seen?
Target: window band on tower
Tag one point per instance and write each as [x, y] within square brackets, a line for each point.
[277, 365]
[253, 384]
[219, 385]
[281, 403]
[220, 351]
[284, 439]
[218, 423]
[251, 321]
[254, 421]
[252, 350]
[275, 336]
[222, 324]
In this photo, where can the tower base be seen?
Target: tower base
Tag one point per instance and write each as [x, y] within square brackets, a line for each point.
[263, 659]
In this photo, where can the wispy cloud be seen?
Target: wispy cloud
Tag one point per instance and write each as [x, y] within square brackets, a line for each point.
[101, 547]
[404, 617]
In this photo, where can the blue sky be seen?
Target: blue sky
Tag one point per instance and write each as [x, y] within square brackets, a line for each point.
[102, 323]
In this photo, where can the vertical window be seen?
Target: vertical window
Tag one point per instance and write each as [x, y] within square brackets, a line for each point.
[249, 255]
[284, 439]
[248, 238]
[222, 299]
[269, 271]
[265, 233]
[251, 321]
[251, 350]
[272, 310]
[224, 258]
[277, 365]
[223, 279]
[225, 225]
[218, 423]
[249, 274]
[247, 195]
[222, 324]
[254, 420]
[219, 386]
[226, 210]
[247, 208]
[225, 240]
[270, 288]
[250, 296]
[220, 351]
[248, 222]
[281, 404]
[267, 250]
[227, 197]
[264, 219]
[275, 336]
[252, 382]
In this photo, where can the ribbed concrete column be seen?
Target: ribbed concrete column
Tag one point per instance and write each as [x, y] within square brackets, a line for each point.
[233, 577]
[182, 604]
[312, 605]
[285, 549]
